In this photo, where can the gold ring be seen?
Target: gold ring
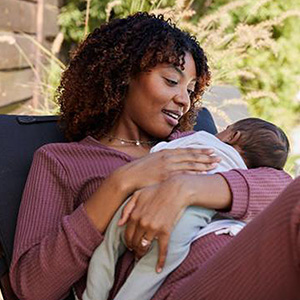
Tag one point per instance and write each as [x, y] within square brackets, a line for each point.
[145, 242]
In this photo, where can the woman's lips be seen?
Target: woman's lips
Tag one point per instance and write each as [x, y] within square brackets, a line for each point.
[170, 118]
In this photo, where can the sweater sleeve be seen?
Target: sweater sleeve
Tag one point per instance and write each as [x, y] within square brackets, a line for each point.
[53, 242]
[253, 190]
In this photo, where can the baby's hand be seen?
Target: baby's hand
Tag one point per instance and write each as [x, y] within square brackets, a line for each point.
[127, 210]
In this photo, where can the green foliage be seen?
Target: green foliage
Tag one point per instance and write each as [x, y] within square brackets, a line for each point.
[276, 69]
[252, 44]
[290, 164]
[255, 46]
[72, 16]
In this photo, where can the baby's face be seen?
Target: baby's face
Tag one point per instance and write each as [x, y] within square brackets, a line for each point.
[232, 137]
[226, 135]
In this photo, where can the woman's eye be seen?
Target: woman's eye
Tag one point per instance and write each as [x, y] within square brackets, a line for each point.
[190, 92]
[170, 81]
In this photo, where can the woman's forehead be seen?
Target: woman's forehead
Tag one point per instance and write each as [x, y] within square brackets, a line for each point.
[187, 70]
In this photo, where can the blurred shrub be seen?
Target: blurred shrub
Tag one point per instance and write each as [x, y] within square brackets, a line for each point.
[253, 45]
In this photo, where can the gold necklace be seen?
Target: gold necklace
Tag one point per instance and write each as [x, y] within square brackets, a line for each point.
[132, 142]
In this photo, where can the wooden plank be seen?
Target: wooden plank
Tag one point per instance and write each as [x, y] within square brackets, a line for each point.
[50, 20]
[21, 16]
[52, 2]
[17, 16]
[15, 86]
[11, 56]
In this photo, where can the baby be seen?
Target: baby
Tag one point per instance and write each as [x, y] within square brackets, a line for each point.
[249, 143]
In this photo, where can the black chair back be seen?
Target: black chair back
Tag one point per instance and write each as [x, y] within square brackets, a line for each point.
[20, 136]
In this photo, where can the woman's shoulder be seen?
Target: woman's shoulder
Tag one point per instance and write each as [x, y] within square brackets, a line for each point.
[87, 149]
[61, 147]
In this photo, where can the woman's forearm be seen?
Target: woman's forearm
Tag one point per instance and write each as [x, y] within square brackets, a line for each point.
[241, 193]
[45, 270]
[103, 204]
[254, 189]
[209, 191]
[53, 242]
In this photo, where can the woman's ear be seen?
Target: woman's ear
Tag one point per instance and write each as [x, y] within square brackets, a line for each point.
[234, 137]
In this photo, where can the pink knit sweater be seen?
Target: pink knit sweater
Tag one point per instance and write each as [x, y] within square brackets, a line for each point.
[55, 238]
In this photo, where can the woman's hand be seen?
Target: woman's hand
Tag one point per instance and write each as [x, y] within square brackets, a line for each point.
[160, 166]
[152, 214]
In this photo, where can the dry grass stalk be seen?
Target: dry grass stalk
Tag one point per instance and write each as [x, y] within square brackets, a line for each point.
[110, 7]
[261, 95]
[87, 16]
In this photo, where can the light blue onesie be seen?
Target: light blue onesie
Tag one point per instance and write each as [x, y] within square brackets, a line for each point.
[144, 281]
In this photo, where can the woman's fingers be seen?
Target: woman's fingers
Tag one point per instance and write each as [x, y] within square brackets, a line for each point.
[192, 151]
[199, 158]
[163, 242]
[145, 243]
[144, 233]
[138, 239]
[191, 159]
[195, 167]
[148, 219]
[160, 166]
[197, 164]
[127, 210]
[129, 233]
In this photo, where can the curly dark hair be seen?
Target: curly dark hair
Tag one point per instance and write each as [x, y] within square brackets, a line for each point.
[94, 86]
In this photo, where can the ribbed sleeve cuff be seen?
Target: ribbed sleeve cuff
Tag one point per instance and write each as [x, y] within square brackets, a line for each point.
[239, 191]
[84, 228]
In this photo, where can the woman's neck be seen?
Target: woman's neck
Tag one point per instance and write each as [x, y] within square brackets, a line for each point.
[129, 131]
[131, 149]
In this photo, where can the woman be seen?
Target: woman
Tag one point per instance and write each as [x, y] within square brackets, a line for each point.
[130, 84]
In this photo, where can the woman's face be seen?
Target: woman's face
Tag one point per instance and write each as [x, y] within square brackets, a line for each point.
[157, 99]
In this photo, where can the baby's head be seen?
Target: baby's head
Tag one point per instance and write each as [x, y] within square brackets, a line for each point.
[260, 143]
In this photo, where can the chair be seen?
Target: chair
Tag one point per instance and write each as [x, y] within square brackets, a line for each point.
[20, 136]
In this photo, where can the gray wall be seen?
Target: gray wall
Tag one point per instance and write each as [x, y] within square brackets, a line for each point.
[16, 76]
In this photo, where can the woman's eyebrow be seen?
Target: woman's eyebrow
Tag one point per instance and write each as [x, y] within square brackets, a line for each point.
[179, 71]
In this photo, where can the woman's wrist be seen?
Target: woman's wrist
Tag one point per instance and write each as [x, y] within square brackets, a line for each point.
[183, 186]
[209, 191]
[125, 181]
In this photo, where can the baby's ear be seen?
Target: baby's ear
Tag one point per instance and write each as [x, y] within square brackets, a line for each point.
[234, 137]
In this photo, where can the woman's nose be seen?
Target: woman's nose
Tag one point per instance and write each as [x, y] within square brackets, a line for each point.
[183, 100]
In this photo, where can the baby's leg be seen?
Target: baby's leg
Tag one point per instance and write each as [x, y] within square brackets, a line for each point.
[143, 281]
[101, 270]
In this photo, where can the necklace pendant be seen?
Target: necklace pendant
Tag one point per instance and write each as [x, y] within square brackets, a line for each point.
[137, 143]
[122, 142]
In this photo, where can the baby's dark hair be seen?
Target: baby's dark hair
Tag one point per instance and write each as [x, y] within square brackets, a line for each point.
[263, 144]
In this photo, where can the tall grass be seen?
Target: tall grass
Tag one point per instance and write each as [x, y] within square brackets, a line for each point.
[46, 74]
